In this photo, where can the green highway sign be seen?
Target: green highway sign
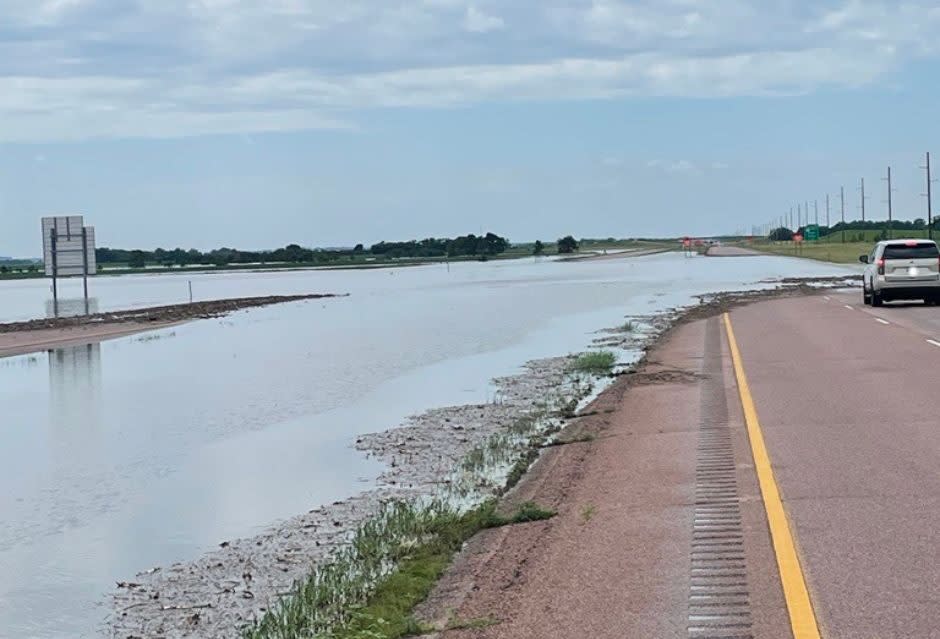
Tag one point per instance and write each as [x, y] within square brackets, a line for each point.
[811, 232]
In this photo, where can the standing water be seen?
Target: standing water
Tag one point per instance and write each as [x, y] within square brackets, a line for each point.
[152, 449]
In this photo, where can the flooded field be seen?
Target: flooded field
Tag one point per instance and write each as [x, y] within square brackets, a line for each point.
[153, 449]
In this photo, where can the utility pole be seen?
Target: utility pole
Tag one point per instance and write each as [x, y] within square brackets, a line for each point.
[816, 209]
[888, 179]
[842, 197]
[827, 211]
[926, 167]
[863, 199]
[799, 216]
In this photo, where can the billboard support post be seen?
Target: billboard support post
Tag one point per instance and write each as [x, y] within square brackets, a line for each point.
[55, 269]
[68, 251]
[85, 265]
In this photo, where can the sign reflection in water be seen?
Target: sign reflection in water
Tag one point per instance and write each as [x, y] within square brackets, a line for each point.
[72, 307]
[74, 379]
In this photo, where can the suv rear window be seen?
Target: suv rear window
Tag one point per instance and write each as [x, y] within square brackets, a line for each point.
[917, 251]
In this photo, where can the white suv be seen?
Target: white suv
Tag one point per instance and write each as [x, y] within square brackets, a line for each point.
[901, 270]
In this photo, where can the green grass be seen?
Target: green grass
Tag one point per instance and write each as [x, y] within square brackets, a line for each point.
[587, 513]
[873, 235]
[346, 599]
[594, 363]
[828, 252]
[830, 248]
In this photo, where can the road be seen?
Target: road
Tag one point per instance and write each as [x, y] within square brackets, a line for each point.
[678, 542]
[24, 342]
[848, 402]
[722, 250]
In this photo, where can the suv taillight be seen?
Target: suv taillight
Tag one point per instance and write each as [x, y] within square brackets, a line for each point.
[881, 267]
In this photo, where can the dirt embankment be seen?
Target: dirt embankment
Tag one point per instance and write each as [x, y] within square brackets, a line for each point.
[20, 338]
[158, 314]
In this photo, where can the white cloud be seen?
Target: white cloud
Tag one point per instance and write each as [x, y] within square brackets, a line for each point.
[673, 166]
[685, 166]
[94, 68]
[476, 21]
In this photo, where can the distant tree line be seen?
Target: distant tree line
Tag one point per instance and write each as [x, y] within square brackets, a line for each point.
[783, 233]
[483, 245]
[466, 245]
[918, 224]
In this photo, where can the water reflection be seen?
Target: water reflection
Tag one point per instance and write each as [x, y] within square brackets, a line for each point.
[72, 307]
[74, 380]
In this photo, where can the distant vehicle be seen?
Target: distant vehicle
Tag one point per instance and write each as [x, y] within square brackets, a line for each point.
[901, 270]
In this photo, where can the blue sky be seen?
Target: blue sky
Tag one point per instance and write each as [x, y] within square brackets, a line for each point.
[254, 123]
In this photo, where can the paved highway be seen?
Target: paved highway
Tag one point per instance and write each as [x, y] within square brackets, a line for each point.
[850, 410]
[783, 487]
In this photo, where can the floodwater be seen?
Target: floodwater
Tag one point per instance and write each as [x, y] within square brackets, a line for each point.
[154, 448]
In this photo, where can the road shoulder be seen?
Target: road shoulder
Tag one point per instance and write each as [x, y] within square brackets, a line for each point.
[630, 552]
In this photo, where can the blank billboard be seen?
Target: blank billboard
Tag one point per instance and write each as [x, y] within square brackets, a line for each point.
[70, 255]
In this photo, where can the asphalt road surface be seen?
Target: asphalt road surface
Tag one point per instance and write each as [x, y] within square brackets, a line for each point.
[665, 525]
[849, 404]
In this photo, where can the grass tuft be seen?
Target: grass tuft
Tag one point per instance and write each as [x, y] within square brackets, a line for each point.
[587, 512]
[597, 363]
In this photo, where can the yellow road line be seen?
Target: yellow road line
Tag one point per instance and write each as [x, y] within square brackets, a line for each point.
[802, 618]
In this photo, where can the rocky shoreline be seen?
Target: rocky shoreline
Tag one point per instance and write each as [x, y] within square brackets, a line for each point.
[230, 587]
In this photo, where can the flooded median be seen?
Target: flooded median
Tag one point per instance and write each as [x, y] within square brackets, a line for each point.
[154, 449]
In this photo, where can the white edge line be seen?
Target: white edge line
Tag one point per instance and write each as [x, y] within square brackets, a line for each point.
[849, 307]
[933, 341]
[826, 297]
[882, 321]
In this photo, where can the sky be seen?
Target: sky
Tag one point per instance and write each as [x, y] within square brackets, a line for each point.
[256, 123]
